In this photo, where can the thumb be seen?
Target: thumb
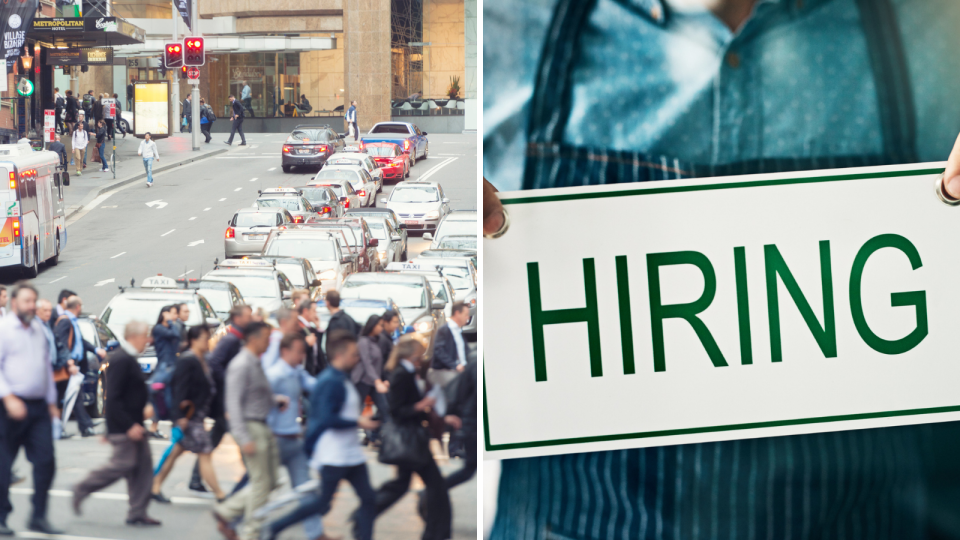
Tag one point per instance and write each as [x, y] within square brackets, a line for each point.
[492, 209]
[951, 175]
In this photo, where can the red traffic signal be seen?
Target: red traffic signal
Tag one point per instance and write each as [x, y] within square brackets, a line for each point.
[194, 51]
[172, 55]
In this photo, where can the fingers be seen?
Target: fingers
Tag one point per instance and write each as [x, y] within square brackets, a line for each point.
[493, 209]
[951, 176]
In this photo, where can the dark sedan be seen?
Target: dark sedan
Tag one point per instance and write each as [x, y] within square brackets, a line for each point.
[99, 335]
[324, 201]
[310, 146]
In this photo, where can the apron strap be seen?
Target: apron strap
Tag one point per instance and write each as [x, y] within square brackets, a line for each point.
[550, 163]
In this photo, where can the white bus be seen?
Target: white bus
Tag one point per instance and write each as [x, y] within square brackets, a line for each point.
[31, 207]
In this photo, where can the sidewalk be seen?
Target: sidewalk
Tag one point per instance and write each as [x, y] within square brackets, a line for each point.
[175, 151]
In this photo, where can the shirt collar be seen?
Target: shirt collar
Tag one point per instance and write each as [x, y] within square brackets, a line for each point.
[453, 325]
[70, 315]
[408, 365]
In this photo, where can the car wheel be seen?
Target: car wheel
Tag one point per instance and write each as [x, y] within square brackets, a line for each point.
[32, 271]
[286, 168]
[125, 125]
[53, 261]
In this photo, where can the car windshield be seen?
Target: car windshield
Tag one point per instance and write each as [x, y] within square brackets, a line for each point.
[337, 190]
[255, 219]
[306, 135]
[382, 151]
[458, 242]
[406, 295]
[336, 174]
[414, 194]
[391, 128]
[450, 228]
[290, 203]
[317, 195]
[459, 277]
[123, 310]
[219, 299]
[304, 248]
[263, 286]
[377, 230]
[294, 273]
[439, 291]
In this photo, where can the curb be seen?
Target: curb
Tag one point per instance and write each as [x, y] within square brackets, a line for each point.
[129, 180]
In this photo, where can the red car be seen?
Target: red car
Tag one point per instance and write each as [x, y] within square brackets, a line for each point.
[390, 159]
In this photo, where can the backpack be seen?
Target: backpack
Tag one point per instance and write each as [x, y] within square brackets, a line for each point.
[208, 113]
[60, 102]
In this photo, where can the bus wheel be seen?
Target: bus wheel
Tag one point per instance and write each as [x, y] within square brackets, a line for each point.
[34, 269]
[52, 261]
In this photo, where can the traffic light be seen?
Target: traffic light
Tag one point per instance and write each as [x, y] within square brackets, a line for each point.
[183, 71]
[194, 51]
[172, 55]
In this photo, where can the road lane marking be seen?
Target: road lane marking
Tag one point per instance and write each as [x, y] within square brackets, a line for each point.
[223, 199]
[205, 209]
[436, 168]
[158, 203]
[193, 218]
[272, 169]
[119, 254]
[186, 273]
[198, 242]
[104, 282]
[238, 189]
[253, 179]
[96, 495]
[166, 233]
[58, 279]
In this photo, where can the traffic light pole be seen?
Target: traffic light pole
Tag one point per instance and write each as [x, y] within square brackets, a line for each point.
[195, 89]
[175, 87]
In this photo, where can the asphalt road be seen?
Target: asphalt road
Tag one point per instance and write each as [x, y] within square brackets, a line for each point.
[176, 228]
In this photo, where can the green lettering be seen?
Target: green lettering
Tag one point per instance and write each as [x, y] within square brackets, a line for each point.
[743, 305]
[626, 319]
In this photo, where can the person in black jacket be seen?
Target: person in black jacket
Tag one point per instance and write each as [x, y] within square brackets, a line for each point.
[339, 320]
[316, 360]
[227, 348]
[411, 408]
[236, 117]
[462, 415]
[131, 457]
[193, 392]
[449, 349]
[67, 332]
[72, 107]
[102, 135]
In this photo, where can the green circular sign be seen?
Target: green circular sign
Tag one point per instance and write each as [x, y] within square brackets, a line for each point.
[25, 88]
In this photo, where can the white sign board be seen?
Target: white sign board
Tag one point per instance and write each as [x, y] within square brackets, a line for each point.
[703, 310]
[159, 282]
[13, 208]
[49, 125]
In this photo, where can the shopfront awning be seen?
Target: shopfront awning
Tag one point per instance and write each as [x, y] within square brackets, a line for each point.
[85, 32]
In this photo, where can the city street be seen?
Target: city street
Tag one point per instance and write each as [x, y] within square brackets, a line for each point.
[176, 228]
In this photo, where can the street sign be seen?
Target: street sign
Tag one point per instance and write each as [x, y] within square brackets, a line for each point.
[688, 311]
[49, 125]
[193, 72]
[25, 87]
[13, 208]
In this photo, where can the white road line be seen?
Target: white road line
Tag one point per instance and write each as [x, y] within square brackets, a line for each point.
[436, 168]
[98, 495]
[205, 209]
[223, 199]
[118, 254]
[238, 189]
[253, 179]
[58, 279]
[186, 273]
[272, 169]
[193, 218]
[166, 233]
[198, 242]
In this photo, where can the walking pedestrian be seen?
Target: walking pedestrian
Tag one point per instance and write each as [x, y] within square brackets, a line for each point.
[29, 404]
[188, 113]
[390, 334]
[166, 342]
[117, 123]
[133, 81]
[462, 416]
[87, 103]
[80, 139]
[449, 350]
[102, 135]
[219, 360]
[60, 358]
[193, 392]
[62, 300]
[366, 375]
[351, 118]
[339, 319]
[206, 120]
[67, 332]
[236, 117]
[125, 414]
[59, 102]
[249, 400]
[246, 96]
[60, 149]
[310, 326]
[70, 111]
[409, 410]
[82, 119]
[333, 441]
[97, 109]
[288, 378]
[148, 151]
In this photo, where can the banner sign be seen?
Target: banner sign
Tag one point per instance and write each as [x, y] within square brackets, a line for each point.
[151, 108]
[80, 56]
[76, 24]
[690, 311]
[16, 17]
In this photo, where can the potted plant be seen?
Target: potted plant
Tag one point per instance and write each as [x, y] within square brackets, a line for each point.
[454, 90]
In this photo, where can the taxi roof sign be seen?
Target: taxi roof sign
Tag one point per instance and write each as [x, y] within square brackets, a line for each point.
[245, 263]
[410, 267]
[158, 282]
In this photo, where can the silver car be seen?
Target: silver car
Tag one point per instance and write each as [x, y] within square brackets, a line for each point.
[459, 223]
[289, 199]
[390, 246]
[360, 159]
[463, 276]
[261, 285]
[318, 246]
[419, 205]
[248, 229]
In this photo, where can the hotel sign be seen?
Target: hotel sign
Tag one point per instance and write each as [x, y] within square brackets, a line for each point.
[80, 56]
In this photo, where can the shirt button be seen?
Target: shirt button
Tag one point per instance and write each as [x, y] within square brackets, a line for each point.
[733, 60]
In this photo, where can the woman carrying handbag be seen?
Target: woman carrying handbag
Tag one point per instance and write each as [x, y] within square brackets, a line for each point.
[406, 442]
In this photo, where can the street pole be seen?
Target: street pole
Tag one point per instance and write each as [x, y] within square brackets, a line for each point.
[195, 89]
[75, 81]
[175, 87]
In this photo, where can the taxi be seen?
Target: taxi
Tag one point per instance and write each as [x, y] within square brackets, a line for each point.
[289, 199]
[322, 248]
[260, 282]
[442, 288]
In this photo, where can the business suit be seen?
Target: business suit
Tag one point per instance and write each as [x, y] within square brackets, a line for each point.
[237, 124]
[64, 334]
[341, 321]
[443, 366]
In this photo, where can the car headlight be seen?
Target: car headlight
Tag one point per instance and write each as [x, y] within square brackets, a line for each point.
[382, 254]
[472, 301]
[328, 274]
[424, 326]
[432, 215]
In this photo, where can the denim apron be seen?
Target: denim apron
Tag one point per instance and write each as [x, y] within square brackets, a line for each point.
[867, 484]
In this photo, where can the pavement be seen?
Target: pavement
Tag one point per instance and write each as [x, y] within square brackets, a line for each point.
[120, 230]
[188, 517]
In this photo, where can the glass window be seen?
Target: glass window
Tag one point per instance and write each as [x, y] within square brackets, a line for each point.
[406, 295]
[459, 277]
[439, 291]
[383, 150]
[336, 174]
[400, 129]
[251, 286]
[318, 195]
[305, 248]
[378, 230]
[458, 242]
[290, 203]
[414, 194]
[219, 299]
[208, 311]
[124, 309]
[450, 227]
[255, 219]
[105, 334]
[293, 272]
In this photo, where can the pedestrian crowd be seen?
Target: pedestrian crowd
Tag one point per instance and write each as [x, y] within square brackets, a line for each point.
[289, 392]
[90, 117]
